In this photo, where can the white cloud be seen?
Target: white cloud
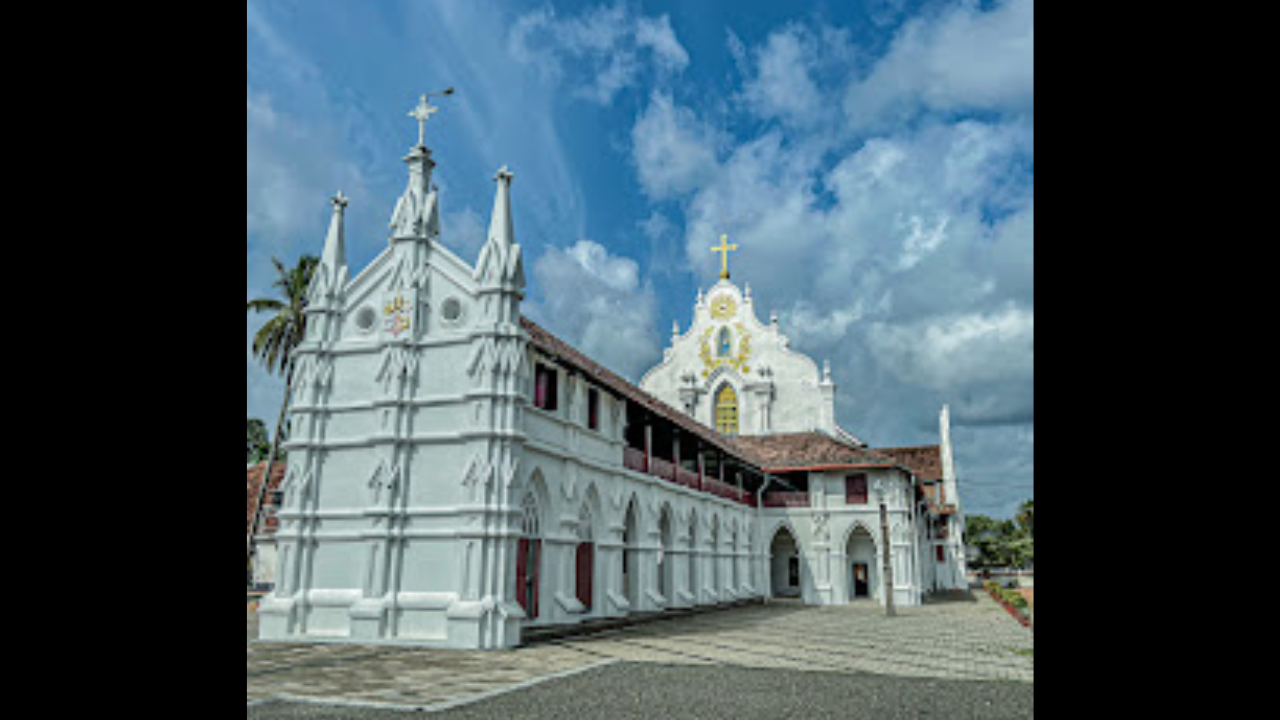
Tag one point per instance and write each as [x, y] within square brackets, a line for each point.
[961, 58]
[599, 52]
[792, 75]
[807, 325]
[674, 153]
[596, 302]
[958, 351]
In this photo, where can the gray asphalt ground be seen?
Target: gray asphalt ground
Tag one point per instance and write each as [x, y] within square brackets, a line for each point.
[639, 691]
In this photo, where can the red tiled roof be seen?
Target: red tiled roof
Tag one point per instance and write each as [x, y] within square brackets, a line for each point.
[267, 524]
[925, 460]
[559, 350]
[810, 451]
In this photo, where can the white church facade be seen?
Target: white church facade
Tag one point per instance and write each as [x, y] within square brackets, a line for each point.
[457, 474]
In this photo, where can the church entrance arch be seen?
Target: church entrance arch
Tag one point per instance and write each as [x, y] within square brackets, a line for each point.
[784, 564]
[529, 556]
[860, 564]
[584, 559]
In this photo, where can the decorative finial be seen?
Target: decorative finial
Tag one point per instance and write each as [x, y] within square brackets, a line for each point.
[724, 250]
[340, 201]
[504, 174]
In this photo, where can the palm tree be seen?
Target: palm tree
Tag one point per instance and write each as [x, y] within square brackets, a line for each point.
[274, 344]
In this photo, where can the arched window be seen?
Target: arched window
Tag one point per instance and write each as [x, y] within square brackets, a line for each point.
[724, 343]
[727, 410]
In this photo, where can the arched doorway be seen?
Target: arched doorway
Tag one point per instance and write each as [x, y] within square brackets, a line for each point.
[528, 557]
[784, 564]
[585, 558]
[630, 573]
[860, 564]
[666, 578]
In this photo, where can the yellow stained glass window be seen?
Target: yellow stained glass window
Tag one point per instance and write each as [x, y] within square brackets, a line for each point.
[727, 410]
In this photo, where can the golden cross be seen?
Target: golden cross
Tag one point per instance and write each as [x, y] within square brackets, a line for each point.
[724, 249]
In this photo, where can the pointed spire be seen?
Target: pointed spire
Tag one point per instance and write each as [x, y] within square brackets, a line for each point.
[500, 260]
[330, 276]
[335, 250]
[949, 495]
[500, 227]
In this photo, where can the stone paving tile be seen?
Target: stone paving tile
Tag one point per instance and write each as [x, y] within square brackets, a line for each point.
[963, 640]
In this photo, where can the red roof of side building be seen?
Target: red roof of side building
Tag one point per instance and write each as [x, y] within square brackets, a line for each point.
[267, 524]
[924, 460]
[787, 452]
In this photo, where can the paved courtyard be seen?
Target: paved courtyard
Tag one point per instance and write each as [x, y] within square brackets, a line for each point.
[973, 641]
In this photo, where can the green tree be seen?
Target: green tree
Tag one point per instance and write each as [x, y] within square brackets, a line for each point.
[1026, 517]
[273, 345]
[1001, 543]
[258, 446]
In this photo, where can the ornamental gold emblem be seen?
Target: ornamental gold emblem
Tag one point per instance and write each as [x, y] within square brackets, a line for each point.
[723, 307]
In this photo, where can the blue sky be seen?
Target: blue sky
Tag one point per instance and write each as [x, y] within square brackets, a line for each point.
[874, 162]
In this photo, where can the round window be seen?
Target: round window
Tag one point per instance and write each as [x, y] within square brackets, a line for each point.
[451, 310]
[366, 318]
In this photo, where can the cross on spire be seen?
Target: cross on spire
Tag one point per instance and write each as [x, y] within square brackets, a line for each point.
[724, 249]
[421, 113]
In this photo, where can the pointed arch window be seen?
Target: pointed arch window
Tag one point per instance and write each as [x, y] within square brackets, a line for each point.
[727, 410]
[529, 557]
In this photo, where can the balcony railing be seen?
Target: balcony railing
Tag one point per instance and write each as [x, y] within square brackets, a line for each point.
[635, 459]
[785, 499]
[687, 478]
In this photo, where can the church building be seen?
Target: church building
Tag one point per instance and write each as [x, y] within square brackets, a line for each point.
[458, 474]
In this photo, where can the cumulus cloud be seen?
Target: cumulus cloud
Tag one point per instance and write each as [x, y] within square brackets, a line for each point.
[600, 52]
[596, 302]
[673, 151]
[961, 58]
[791, 75]
[952, 352]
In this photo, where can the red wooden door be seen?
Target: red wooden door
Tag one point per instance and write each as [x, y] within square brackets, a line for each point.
[586, 552]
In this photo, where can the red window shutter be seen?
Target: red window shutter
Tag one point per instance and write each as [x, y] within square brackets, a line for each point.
[540, 387]
[855, 489]
[522, 552]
